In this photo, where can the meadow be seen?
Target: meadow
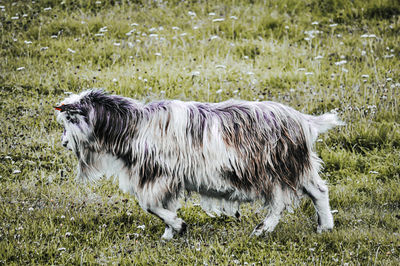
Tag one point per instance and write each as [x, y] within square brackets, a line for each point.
[316, 56]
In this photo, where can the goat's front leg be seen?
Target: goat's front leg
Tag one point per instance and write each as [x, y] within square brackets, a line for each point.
[170, 218]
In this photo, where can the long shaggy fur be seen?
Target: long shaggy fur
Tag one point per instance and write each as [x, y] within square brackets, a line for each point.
[229, 152]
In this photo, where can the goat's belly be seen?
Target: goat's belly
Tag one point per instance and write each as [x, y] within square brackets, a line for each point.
[226, 192]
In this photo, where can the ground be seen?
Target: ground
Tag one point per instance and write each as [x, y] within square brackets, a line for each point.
[316, 56]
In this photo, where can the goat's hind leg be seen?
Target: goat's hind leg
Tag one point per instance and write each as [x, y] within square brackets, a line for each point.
[317, 190]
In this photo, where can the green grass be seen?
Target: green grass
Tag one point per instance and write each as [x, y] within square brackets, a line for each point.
[260, 51]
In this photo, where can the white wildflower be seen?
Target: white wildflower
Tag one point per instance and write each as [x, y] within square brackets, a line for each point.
[62, 217]
[158, 54]
[47, 9]
[153, 35]
[309, 73]
[345, 70]
[191, 13]
[218, 20]
[250, 73]
[196, 27]
[315, 23]
[373, 172]
[214, 37]
[15, 18]
[99, 34]
[368, 36]
[68, 234]
[44, 48]
[363, 53]
[389, 79]
[334, 211]
[152, 29]
[129, 33]
[287, 27]
[141, 226]
[183, 34]
[98, 2]
[195, 73]
[219, 91]
[134, 25]
[20, 68]
[54, 36]
[62, 249]
[233, 17]
[333, 25]
[211, 14]
[103, 29]
[365, 76]
[175, 28]
[342, 62]
[30, 209]
[318, 57]
[312, 33]
[114, 80]
[71, 51]
[27, 42]
[117, 44]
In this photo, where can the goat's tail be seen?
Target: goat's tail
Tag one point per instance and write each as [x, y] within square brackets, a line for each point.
[322, 123]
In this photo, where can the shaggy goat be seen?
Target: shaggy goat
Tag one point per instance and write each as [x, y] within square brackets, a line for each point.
[229, 152]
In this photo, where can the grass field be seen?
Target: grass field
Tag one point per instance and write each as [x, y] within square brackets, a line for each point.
[315, 56]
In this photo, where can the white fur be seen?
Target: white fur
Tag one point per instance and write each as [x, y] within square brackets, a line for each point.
[163, 136]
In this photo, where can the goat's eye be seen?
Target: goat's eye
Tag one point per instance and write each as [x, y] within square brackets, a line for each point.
[71, 119]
